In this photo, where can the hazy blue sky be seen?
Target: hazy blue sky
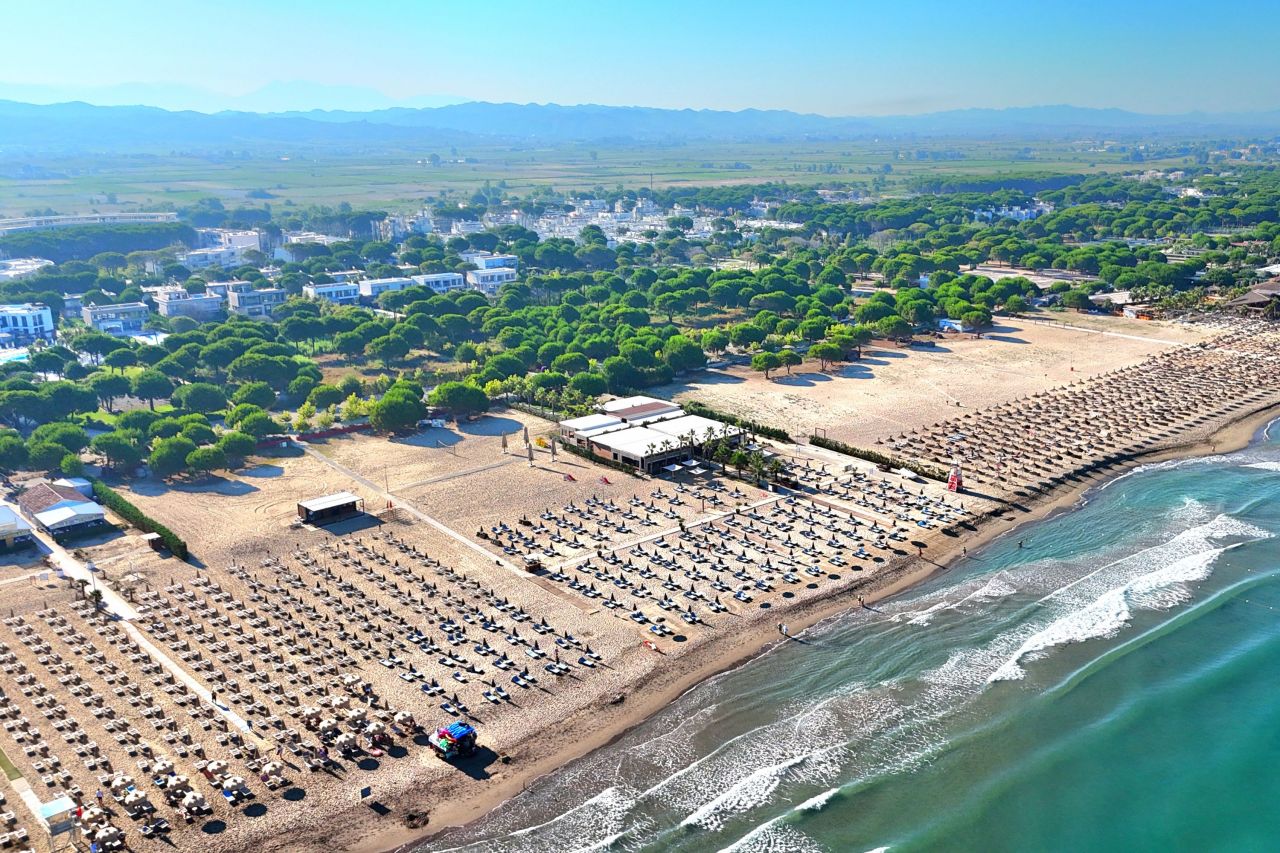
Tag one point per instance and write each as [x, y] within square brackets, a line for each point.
[837, 58]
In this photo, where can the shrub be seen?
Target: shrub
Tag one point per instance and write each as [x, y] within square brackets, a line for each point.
[116, 502]
[693, 407]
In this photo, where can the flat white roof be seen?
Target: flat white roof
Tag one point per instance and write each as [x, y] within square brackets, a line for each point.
[328, 501]
[696, 424]
[68, 515]
[11, 522]
[637, 442]
[631, 402]
[590, 422]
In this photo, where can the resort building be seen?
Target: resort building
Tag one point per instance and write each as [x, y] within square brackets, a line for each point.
[217, 256]
[256, 303]
[341, 292]
[639, 407]
[222, 288]
[372, 288]
[24, 323]
[645, 432]
[177, 302]
[127, 318]
[488, 281]
[440, 282]
[490, 261]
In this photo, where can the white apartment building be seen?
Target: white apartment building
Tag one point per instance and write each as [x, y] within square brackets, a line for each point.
[487, 281]
[220, 256]
[221, 247]
[241, 238]
[126, 318]
[283, 254]
[440, 282]
[372, 288]
[490, 261]
[222, 288]
[177, 302]
[341, 292]
[26, 322]
[256, 303]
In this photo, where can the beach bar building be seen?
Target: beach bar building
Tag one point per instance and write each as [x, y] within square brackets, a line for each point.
[329, 508]
[645, 433]
[61, 510]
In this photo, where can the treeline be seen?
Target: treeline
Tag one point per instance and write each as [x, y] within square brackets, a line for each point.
[85, 241]
[1026, 183]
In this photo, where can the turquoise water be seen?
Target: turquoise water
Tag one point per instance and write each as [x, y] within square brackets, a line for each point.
[1111, 686]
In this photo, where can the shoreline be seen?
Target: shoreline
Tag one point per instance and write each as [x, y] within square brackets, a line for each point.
[604, 724]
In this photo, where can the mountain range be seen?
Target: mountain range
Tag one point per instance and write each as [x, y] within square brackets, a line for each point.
[78, 126]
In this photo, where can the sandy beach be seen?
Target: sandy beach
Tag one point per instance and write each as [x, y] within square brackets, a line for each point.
[451, 513]
[600, 726]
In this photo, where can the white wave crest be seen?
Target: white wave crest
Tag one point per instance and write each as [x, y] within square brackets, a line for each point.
[998, 587]
[1157, 589]
[1109, 613]
[1265, 466]
[746, 793]
[815, 803]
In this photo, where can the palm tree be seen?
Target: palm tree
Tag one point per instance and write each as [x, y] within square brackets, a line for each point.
[722, 454]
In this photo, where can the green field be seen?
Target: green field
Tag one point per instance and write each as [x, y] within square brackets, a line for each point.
[400, 181]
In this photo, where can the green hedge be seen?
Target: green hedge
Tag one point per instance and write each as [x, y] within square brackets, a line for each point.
[117, 503]
[879, 458]
[693, 407]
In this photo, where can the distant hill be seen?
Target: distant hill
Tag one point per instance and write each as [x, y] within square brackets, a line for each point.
[80, 126]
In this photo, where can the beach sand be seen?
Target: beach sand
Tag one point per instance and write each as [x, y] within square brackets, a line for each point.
[460, 480]
[896, 389]
[599, 726]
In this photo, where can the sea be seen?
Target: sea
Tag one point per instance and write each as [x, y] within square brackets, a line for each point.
[1107, 679]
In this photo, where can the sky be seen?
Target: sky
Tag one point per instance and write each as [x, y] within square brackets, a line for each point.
[823, 56]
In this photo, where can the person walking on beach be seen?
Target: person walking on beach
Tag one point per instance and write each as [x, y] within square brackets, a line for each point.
[783, 628]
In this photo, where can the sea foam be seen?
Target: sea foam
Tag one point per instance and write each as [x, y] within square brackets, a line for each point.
[1158, 589]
